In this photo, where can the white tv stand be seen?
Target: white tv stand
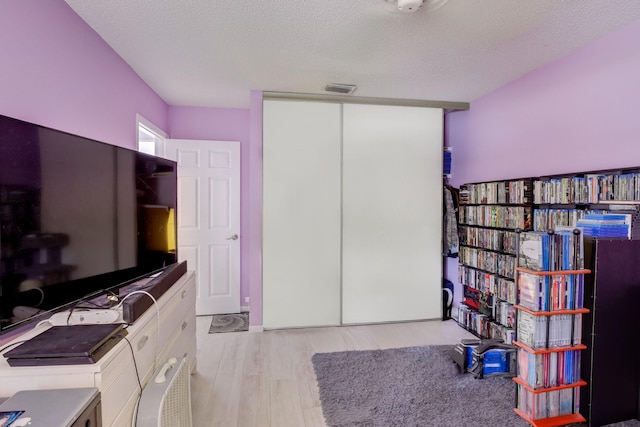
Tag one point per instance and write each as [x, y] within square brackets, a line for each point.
[114, 374]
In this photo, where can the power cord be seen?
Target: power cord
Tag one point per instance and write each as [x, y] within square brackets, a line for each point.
[155, 302]
[112, 296]
[135, 366]
[112, 299]
[42, 322]
[155, 357]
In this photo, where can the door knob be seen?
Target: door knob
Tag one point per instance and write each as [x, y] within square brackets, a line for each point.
[233, 237]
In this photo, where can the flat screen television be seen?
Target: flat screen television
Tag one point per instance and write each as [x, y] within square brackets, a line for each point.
[77, 217]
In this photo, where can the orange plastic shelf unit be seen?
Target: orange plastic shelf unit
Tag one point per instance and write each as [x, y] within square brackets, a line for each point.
[554, 421]
[552, 272]
[548, 350]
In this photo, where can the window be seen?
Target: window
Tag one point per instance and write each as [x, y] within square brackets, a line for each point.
[150, 137]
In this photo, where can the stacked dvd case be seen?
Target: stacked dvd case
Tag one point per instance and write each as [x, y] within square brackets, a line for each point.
[550, 282]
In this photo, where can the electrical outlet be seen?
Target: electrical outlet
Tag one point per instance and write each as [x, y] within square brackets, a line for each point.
[246, 300]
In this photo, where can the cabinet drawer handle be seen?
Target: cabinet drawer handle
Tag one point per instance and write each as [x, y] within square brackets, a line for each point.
[142, 342]
[184, 293]
[184, 325]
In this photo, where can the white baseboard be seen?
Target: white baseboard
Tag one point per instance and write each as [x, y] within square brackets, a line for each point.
[256, 328]
[244, 309]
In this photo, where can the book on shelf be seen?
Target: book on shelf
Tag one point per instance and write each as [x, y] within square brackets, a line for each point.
[548, 332]
[553, 292]
[532, 251]
[490, 261]
[546, 219]
[464, 194]
[505, 314]
[533, 291]
[487, 238]
[501, 287]
[555, 403]
[510, 217]
[590, 188]
[607, 218]
[500, 192]
[551, 251]
[546, 370]
[606, 225]
[483, 326]
[564, 190]
[485, 304]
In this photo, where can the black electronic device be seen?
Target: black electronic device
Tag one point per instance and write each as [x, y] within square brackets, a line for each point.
[78, 217]
[67, 345]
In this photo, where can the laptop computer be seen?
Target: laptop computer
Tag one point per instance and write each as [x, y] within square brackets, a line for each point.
[70, 407]
[67, 345]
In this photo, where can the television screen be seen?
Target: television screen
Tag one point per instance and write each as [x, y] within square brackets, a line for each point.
[77, 216]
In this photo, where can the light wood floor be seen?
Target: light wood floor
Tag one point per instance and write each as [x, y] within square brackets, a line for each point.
[266, 379]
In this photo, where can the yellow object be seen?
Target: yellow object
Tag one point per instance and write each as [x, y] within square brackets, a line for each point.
[160, 233]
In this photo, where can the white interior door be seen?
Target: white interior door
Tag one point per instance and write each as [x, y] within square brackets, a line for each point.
[209, 219]
[392, 213]
[301, 214]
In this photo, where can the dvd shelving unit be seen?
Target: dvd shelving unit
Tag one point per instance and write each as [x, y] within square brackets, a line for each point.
[490, 213]
[611, 291]
[549, 329]
[612, 393]
[562, 200]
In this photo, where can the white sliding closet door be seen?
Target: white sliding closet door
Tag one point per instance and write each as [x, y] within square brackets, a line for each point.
[392, 213]
[301, 213]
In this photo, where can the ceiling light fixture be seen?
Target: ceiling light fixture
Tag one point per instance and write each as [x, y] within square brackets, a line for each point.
[411, 6]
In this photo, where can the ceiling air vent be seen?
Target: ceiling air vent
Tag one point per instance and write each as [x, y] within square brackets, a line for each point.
[340, 88]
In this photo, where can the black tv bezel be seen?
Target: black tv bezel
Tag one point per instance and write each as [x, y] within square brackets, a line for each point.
[89, 287]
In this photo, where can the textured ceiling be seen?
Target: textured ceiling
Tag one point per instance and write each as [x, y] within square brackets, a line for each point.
[211, 53]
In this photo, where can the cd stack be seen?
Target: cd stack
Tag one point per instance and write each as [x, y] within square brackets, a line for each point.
[550, 280]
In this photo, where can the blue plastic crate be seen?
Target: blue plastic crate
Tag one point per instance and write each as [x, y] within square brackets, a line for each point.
[469, 358]
[496, 361]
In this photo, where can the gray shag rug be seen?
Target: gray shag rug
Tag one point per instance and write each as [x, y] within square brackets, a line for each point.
[238, 322]
[414, 386]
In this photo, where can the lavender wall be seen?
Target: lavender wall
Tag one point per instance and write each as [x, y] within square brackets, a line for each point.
[222, 124]
[57, 72]
[579, 113]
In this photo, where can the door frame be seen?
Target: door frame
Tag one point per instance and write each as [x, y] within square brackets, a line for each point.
[200, 256]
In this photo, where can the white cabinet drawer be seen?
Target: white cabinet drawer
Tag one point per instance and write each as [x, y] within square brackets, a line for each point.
[124, 417]
[177, 346]
[174, 325]
[118, 380]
